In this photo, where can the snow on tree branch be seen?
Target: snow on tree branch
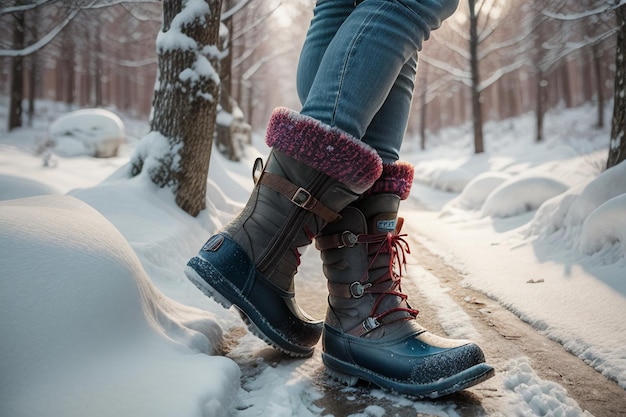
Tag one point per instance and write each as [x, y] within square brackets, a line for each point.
[230, 13]
[461, 75]
[43, 41]
[174, 37]
[24, 7]
[502, 71]
[586, 13]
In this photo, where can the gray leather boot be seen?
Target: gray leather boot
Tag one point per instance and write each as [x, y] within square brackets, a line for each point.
[312, 173]
[370, 330]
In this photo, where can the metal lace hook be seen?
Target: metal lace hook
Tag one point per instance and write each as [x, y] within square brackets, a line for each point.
[257, 170]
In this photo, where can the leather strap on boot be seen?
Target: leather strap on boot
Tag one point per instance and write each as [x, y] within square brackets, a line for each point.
[298, 196]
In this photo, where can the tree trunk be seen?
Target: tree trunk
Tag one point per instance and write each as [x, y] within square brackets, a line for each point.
[97, 63]
[424, 106]
[185, 103]
[223, 136]
[599, 81]
[617, 146]
[33, 81]
[566, 90]
[17, 74]
[69, 69]
[477, 117]
[33, 76]
[541, 104]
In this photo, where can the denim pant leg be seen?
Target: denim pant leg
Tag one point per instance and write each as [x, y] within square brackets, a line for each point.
[357, 67]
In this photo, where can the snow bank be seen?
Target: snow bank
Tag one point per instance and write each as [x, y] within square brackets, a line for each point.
[94, 132]
[12, 187]
[592, 217]
[606, 226]
[86, 333]
[607, 185]
[477, 190]
[520, 195]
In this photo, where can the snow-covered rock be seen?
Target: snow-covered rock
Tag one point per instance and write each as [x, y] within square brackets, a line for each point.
[520, 195]
[93, 132]
[478, 189]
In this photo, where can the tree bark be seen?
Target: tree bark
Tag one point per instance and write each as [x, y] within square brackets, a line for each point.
[34, 75]
[599, 81]
[17, 74]
[540, 106]
[69, 69]
[617, 146]
[185, 103]
[223, 135]
[477, 117]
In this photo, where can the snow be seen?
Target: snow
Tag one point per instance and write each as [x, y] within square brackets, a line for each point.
[176, 38]
[78, 307]
[557, 223]
[95, 132]
[538, 397]
[100, 319]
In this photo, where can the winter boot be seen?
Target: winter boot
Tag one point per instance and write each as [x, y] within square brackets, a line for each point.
[312, 173]
[370, 330]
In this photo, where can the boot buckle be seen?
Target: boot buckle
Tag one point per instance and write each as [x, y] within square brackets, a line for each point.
[357, 290]
[370, 323]
[301, 198]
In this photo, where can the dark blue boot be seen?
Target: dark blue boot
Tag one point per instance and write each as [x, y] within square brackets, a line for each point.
[370, 331]
[312, 173]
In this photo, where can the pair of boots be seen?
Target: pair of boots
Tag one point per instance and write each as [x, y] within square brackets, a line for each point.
[320, 183]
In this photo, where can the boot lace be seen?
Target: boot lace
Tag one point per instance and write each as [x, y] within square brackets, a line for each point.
[396, 248]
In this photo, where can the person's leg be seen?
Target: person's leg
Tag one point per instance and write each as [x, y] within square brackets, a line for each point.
[361, 80]
[328, 16]
[358, 65]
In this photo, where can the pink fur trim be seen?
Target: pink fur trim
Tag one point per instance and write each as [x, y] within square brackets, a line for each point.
[397, 178]
[324, 148]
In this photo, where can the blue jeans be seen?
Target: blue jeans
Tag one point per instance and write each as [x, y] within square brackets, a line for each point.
[357, 66]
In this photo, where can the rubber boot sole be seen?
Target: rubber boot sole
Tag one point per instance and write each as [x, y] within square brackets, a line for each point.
[228, 295]
[349, 374]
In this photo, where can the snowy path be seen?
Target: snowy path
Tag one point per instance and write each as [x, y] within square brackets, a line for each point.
[509, 343]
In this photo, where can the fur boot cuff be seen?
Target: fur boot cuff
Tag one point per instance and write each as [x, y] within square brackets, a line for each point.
[397, 178]
[324, 148]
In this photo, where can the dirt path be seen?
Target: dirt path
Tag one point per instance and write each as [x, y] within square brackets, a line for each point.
[508, 337]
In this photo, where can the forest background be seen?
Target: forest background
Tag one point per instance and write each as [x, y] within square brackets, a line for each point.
[492, 60]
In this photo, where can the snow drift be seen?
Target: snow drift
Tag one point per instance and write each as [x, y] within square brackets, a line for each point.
[84, 330]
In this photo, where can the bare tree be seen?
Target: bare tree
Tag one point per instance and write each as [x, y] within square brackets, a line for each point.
[593, 9]
[17, 71]
[244, 20]
[617, 148]
[490, 42]
[177, 151]
[580, 26]
[223, 138]
[477, 113]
